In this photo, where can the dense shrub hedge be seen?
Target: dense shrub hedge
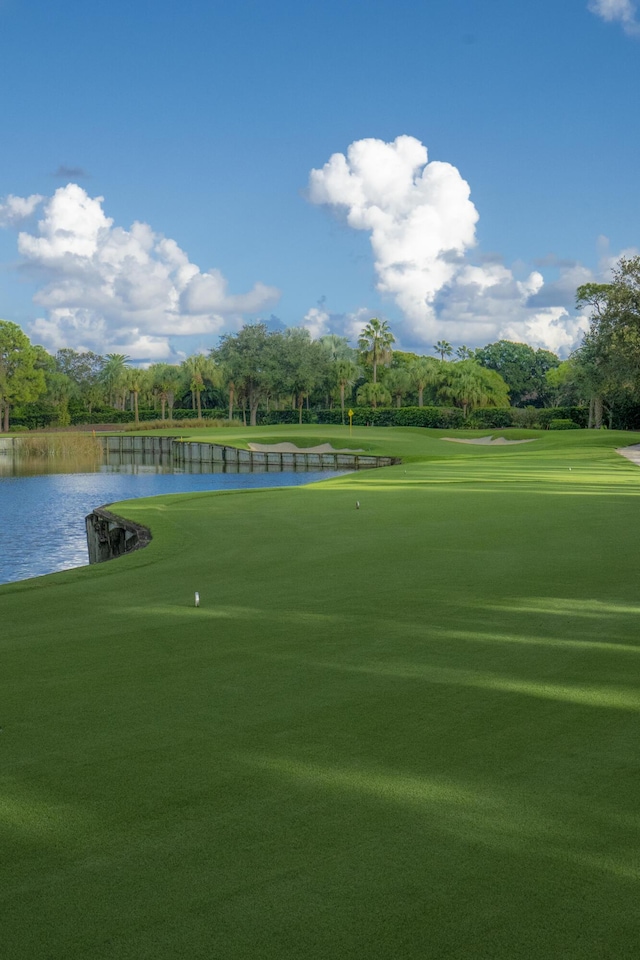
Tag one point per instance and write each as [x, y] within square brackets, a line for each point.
[579, 415]
[527, 417]
[563, 425]
[443, 418]
[40, 416]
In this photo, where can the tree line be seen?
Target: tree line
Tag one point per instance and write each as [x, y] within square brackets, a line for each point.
[258, 369]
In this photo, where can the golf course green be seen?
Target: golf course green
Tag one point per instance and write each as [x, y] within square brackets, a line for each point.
[405, 731]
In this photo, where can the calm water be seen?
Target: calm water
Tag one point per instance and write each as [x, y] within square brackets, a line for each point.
[42, 515]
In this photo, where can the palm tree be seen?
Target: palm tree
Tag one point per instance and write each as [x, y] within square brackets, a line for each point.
[199, 371]
[470, 385]
[464, 353]
[424, 372]
[345, 373]
[337, 347]
[373, 393]
[113, 376]
[165, 379]
[375, 341]
[444, 348]
[398, 382]
[136, 381]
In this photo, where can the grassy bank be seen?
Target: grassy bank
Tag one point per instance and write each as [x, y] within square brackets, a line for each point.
[404, 731]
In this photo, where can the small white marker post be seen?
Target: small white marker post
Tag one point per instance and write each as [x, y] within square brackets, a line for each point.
[197, 596]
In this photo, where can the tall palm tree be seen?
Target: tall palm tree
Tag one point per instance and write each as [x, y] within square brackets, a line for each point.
[165, 379]
[337, 347]
[199, 371]
[398, 382]
[376, 341]
[464, 353]
[424, 372]
[345, 373]
[444, 348]
[113, 375]
[136, 381]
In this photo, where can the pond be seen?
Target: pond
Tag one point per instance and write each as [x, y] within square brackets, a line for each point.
[42, 513]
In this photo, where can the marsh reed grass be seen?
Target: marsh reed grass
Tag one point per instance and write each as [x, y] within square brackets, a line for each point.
[59, 446]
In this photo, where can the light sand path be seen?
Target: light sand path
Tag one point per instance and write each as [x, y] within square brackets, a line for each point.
[488, 441]
[291, 448]
[631, 453]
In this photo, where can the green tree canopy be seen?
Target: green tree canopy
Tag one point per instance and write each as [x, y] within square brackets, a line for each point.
[21, 381]
[249, 361]
[300, 364]
[608, 361]
[522, 368]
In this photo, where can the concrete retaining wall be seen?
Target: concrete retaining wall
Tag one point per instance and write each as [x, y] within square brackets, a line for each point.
[110, 536]
[192, 451]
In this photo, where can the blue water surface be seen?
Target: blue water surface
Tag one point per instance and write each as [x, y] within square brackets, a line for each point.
[42, 517]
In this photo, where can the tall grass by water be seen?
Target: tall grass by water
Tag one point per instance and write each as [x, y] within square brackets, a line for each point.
[214, 423]
[59, 446]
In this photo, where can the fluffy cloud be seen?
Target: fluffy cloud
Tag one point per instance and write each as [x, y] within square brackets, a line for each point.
[320, 322]
[418, 214]
[109, 289]
[617, 11]
[13, 210]
[421, 223]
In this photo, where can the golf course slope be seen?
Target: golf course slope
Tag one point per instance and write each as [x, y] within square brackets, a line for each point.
[405, 731]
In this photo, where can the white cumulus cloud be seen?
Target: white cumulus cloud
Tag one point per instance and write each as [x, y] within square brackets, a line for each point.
[617, 11]
[13, 210]
[421, 223]
[110, 289]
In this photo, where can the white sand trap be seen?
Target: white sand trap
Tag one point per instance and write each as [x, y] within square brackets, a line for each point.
[631, 453]
[488, 441]
[291, 448]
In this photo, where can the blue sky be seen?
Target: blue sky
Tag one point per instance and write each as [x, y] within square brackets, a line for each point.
[203, 122]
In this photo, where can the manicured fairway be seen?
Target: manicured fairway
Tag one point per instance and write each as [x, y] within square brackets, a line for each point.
[406, 731]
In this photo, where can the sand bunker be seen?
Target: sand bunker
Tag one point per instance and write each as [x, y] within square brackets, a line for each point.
[631, 453]
[488, 441]
[291, 448]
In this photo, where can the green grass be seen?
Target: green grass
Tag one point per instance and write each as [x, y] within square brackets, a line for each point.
[405, 731]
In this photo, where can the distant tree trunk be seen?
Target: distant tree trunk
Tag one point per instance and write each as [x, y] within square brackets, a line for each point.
[171, 399]
[199, 404]
[5, 427]
[163, 401]
[136, 418]
[420, 396]
[597, 412]
[307, 401]
[342, 401]
[253, 410]
[591, 406]
[398, 401]
[231, 399]
[300, 402]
